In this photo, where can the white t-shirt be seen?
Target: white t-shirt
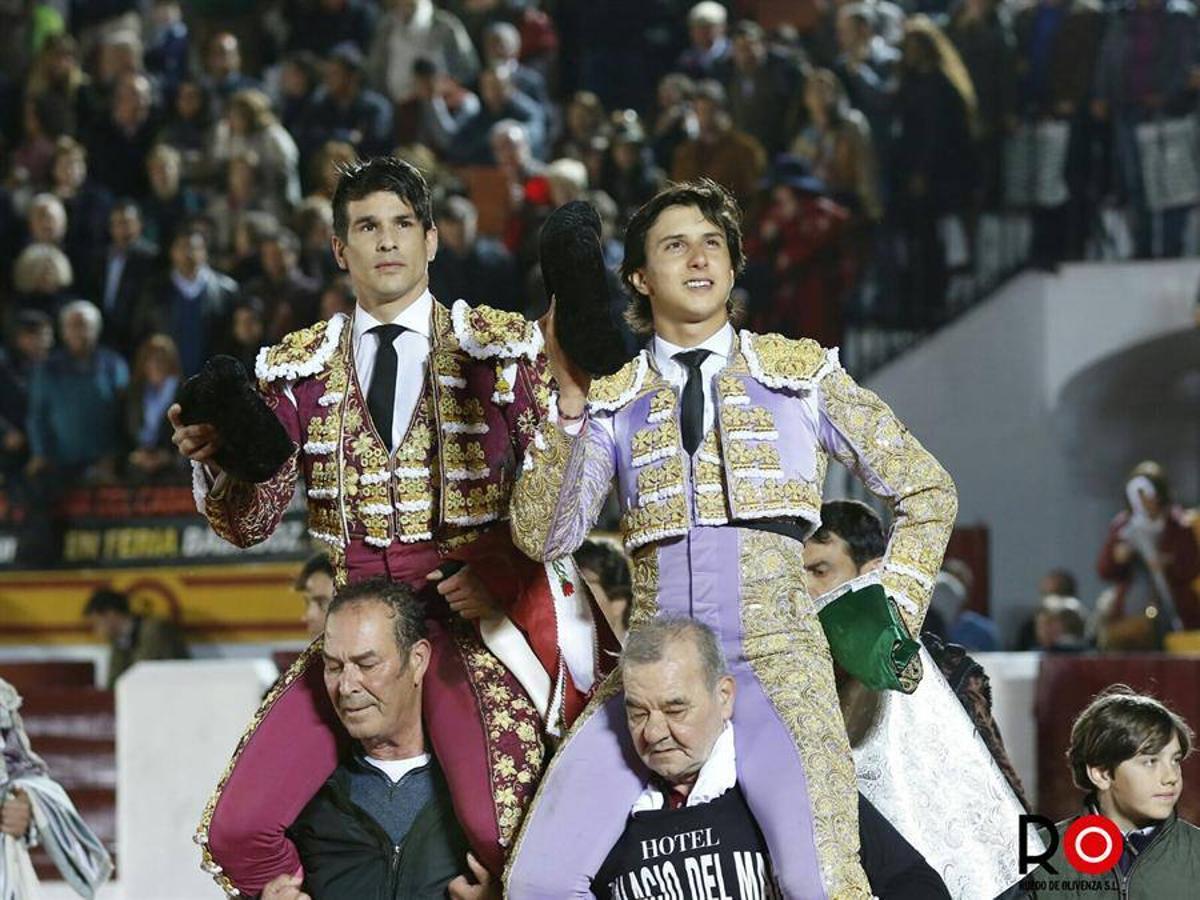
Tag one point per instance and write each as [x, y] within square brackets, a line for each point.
[395, 769]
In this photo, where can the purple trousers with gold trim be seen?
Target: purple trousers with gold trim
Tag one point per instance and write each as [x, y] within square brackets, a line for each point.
[793, 756]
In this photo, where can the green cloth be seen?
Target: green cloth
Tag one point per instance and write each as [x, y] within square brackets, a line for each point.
[1168, 868]
[46, 22]
[868, 640]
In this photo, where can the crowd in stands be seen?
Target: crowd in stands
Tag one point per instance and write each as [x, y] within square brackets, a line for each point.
[167, 166]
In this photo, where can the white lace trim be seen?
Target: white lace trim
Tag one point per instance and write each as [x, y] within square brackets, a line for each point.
[411, 472]
[509, 374]
[452, 381]
[377, 542]
[919, 577]
[657, 535]
[324, 537]
[331, 398]
[466, 474]
[661, 416]
[660, 494]
[736, 400]
[320, 448]
[770, 474]
[854, 584]
[472, 520]
[465, 427]
[627, 395]
[902, 600]
[754, 435]
[712, 520]
[833, 362]
[705, 456]
[708, 489]
[413, 505]
[373, 478]
[528, 349]
[310, 366]
[376, 509]
[905, 602]
[646, 458]
[199, 486]
[415, 538]
[322, 493]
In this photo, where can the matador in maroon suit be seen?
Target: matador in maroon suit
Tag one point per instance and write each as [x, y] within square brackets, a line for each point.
[495, 687]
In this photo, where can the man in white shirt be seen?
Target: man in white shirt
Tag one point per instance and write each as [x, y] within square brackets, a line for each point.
[718, 443]
[409, 421]
[691, 824]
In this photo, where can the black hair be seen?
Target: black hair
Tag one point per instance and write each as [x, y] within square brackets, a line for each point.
[406, 611]
[318, 562]
[382, 173]
[610, 566]
[856, 524]
[125, 203]
[1064, 579]
[716, 205]
[107, 600]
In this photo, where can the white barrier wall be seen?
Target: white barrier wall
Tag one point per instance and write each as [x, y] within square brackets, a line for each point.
[986, 396]
[177, 725]
[1013, 678]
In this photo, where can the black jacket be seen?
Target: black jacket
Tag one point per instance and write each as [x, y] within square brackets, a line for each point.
[348, 856]
[725, 839]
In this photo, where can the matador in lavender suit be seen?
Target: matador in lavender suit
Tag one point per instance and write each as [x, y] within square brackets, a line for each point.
[718, 441]
[409, 421]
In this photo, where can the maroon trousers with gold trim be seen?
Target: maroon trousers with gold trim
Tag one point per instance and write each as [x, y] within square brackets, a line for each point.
[484, 731]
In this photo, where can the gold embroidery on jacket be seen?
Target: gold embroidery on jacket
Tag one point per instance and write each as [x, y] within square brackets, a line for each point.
[923, 491]
[757, 457]
[535, 496]
[662, 406]
[654, 521]
[654, 443]
[514, 743]
[645, 584]
[660, 481]
[755, 423]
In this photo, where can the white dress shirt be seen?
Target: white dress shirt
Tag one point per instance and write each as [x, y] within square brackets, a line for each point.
[719, 346]
[675, 374]
[717, 775]
[412, 353]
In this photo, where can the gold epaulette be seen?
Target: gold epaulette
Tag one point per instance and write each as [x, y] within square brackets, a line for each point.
[613, 391]
[300, 354]
[487, 333]
[780, 362]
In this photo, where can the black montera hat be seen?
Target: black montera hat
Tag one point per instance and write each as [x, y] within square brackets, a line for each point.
[254, 444]
[574, 272]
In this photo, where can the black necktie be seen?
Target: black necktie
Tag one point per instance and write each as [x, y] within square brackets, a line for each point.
[692, 414]
[381, 396]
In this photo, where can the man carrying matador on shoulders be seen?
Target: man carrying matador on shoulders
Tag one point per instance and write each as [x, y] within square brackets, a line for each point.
[407, 422]
[717, 440]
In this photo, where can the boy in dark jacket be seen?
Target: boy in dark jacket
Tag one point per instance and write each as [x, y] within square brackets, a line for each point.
[1126, 753]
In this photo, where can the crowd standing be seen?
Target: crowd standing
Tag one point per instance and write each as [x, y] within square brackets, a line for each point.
[167, 166]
